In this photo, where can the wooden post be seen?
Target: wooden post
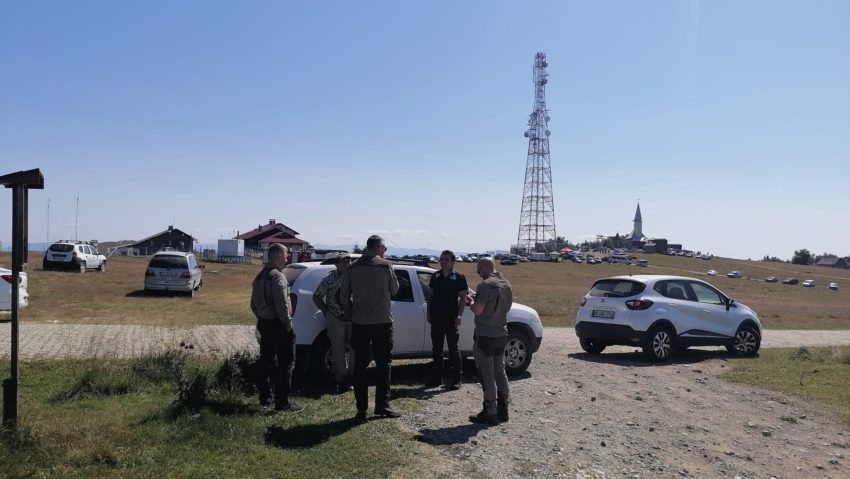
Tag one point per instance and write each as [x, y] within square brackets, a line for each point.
[20, 182]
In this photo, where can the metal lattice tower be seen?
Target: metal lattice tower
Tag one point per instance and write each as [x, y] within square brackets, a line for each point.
[537, 218]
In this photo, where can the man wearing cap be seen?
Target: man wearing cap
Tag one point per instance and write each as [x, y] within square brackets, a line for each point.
[271, 305]
[445, 309]
[491, 302]
[327, 299]
[367, 288]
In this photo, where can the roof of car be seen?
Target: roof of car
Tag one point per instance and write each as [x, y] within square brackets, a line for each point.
[171, 253]
[651, 277]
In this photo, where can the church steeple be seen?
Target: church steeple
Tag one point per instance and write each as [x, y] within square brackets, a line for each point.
[637, 232]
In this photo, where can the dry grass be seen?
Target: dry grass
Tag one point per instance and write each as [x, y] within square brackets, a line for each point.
[553, 289]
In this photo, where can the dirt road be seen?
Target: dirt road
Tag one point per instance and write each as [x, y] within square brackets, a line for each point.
[615, 415]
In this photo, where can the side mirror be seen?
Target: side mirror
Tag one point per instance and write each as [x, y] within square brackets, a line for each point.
[730, 303]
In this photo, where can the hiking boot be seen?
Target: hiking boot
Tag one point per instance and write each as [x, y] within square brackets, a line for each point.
[502, 410]
[360, 416]
[387, 412]
[288, 407]
[484, 418]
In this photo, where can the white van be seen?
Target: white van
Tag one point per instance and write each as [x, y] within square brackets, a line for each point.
[619, 258]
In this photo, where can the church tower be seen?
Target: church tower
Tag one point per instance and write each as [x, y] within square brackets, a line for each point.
[637, 231]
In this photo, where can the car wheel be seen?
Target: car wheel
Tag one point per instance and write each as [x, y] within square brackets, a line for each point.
[320, 359]
[517, 352]
[746, 343]
[45, 266]
[82, 266]
[102, 268]
[592, 346]
[659, 343]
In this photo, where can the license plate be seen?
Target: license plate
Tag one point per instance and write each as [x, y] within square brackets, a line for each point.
[602, 313]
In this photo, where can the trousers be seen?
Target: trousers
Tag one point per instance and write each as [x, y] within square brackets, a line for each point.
[489, 356]
[379, 339]
[277, 361]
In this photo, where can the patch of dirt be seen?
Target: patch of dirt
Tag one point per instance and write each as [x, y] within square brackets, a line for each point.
[616, 415]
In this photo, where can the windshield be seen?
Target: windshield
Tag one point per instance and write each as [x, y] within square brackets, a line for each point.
[617, 288]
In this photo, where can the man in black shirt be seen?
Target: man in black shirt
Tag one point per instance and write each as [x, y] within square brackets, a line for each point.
[445, 309]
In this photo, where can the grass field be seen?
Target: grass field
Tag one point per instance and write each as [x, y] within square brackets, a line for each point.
[814, 374]
[127, 419]
[553, 289]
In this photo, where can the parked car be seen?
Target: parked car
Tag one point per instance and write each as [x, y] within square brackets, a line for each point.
[664, 313]
[771, 279]
[174, 271]
[75, 255]
[733, 274]
[711, 272]
[809, 283]
[509, 260]
[642, 263]
[411, 331]
[833, 286]
[791, 281]
[6, 279]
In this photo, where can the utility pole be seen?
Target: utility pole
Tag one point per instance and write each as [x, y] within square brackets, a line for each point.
[76, 216]
[537, 216]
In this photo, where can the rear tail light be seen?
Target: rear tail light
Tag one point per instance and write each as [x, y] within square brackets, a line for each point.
[638, 304]
[7, 277]
[149, 273]
[583, 301]
[293, 300]
[186, 275]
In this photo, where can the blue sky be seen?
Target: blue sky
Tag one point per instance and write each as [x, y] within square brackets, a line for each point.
[729, 120]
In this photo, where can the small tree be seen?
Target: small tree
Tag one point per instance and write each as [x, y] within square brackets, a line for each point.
[356, 249]
[802, 256]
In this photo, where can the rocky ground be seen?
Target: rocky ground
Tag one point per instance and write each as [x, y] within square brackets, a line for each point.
[616, 415]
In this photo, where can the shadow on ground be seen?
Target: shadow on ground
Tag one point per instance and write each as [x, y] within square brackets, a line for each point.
[637, 359]
[308, 435]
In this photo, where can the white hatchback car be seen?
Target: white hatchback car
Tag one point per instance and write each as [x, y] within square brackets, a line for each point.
[662, 314]
[411, 331]
[6, 290]
[174, 271]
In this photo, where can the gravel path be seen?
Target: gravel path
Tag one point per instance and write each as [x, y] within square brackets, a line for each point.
[615, 415]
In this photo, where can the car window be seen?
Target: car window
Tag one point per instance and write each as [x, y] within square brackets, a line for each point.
[705, 294]
[424, 279]
[167, 261]
[674, 289]
[405, 291]
[617, 288]
[89, 250]
[293, 271]
[61, 248]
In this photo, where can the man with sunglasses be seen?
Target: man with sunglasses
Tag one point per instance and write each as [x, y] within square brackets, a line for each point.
[366, 294]
[445, 309]
[327, 299]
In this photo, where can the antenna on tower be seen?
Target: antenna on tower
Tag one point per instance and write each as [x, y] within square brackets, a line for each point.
[47, 240]
[76, 216]
[537, 216]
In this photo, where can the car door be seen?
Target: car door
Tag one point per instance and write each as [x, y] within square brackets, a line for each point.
[685, 312]
[716, 319]
[408, 308]
[88, 257]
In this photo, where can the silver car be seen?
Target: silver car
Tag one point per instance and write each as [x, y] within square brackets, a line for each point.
[664, 314]
[174, 271]
[6, 290]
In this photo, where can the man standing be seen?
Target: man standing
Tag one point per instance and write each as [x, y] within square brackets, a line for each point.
[492, 301]
[445, 309]
[367, 288]
[327, 298]
[270, 304]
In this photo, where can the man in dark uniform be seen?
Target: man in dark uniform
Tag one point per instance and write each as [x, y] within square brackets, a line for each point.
[445, 310]
[271, 305]
[366, 296]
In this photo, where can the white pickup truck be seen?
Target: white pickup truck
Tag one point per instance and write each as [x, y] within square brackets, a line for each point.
[411, 331]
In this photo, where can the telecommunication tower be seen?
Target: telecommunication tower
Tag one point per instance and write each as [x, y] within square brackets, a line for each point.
[537, 218]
